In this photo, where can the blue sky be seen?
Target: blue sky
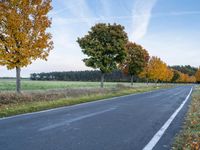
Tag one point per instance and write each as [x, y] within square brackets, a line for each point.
[169, 29]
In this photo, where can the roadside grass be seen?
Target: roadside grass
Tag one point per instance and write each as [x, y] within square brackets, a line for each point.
[26, 105]
[189, 138]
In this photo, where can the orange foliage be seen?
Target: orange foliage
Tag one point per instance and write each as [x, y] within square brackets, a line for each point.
[169, 75]
[157, 70]
[197, 75]
[185, 78]
[136, 60]
[23, 36]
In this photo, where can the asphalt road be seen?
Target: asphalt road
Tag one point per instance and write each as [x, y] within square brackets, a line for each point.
[123, 123]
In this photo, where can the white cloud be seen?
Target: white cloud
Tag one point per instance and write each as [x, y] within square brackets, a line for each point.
[181, 13]
[141, 16]
[79, 9]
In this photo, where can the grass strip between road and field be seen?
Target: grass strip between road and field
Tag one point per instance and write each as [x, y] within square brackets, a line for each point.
[21, 108]
[189, 138]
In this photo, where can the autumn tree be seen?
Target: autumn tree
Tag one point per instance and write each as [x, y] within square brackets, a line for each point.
[145, 74]
[184, 78]
[176, 76]
[192, 79]
[168, 75]
[23, 36]
[155, 70]
[136, 60]
[181, 77]
[105, 47]
[197, 75]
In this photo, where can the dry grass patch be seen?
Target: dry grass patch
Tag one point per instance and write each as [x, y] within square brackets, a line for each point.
[7, 98]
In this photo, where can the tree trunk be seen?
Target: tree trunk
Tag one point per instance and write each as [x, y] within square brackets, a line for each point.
[156, 82]
[131, 80]
[147, 82]
[18, 80]
[102, 80]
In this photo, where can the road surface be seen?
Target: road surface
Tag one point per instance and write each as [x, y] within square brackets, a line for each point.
[124, 123]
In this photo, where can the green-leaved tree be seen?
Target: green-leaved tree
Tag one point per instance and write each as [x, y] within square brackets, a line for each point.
[105, 47]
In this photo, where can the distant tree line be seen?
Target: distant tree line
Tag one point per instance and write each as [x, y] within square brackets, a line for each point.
[191, 71]
[93, 75]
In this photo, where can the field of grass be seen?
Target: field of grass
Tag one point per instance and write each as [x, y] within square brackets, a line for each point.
[41, 95]
[9, 85]
[189, 138]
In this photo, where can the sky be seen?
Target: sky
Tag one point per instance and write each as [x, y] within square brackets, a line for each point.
[169, 29]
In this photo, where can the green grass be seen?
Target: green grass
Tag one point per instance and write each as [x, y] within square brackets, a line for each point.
[9, 85]
[189, 138]
[20, 108]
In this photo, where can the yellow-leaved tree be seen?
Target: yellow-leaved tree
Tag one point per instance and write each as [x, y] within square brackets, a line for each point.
[168, 75]
[156, 70]
[192, 79]
[23, 36]
[185, 78]
[197, 75]
[181, 78]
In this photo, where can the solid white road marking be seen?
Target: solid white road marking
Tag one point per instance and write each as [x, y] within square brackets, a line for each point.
[152, 143]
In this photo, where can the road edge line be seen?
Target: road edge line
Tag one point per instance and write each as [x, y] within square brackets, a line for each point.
[152, 143]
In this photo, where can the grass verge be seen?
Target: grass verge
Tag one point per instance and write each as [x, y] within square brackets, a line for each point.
[26, 107]
[189, 138]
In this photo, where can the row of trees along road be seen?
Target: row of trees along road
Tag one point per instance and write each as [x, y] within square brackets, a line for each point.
[23, 39]
[108, 48]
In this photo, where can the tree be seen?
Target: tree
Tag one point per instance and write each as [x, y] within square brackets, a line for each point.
[23, 36]
[181, 77]
[155, 70]
[176, 76]
[105, 47]
[197, 75]
[136, 60]
[185, 78]
[192, 79]
[168, 75]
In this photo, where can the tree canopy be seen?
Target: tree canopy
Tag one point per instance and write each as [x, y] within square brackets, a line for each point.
[23, 36]
[136, 60]
[197, 75]
[105, 47]
[157, 70]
